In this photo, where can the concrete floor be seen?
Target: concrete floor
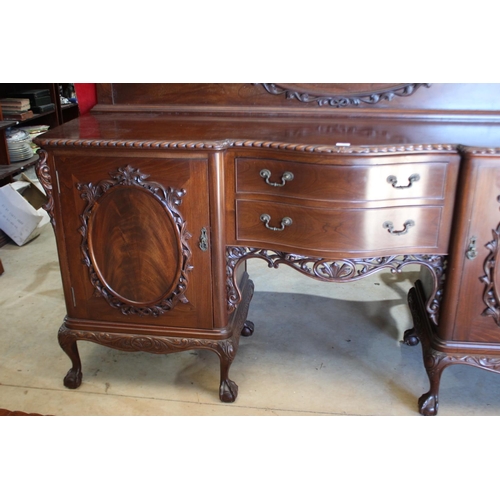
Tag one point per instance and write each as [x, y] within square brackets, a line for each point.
[318, 349]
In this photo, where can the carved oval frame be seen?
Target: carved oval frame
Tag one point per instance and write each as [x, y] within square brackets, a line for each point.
[170, 199]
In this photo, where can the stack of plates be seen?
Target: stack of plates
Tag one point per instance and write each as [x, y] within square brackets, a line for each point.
[18, 142]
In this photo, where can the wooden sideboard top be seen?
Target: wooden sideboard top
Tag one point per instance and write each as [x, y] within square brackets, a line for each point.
[369, 118]
[164, 131]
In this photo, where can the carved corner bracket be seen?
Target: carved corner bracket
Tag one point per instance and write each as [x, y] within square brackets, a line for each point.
[336, 271]
[43, 173]
[170, 198]
[339, 100]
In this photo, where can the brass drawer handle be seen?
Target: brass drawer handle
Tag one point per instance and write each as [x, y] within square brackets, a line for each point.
[286, 221]
[390, 227]
[286, 177]
[392, 179]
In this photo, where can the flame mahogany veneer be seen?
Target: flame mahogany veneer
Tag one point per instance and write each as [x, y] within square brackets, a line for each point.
[161, 194]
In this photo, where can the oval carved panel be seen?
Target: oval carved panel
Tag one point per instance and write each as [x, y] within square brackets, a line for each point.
[134, 246]
[135, 243]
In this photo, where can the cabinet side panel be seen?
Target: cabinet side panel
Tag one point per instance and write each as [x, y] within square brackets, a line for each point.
[478, 221]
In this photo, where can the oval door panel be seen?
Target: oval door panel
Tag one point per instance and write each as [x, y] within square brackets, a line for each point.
[134, 245]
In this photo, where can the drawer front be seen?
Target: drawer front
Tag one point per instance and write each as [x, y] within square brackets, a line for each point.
[389, 181]
[379, 230]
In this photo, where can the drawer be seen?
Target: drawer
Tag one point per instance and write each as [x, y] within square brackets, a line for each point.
[415, 229]
[349, 183]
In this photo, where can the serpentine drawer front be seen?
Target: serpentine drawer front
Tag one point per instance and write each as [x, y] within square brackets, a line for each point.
[386, 230]
[379, 204]
[386, 180]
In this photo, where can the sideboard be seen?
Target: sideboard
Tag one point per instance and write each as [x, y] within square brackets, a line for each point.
[160, 195]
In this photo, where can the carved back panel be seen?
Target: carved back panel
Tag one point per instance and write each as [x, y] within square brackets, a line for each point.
[407, 100]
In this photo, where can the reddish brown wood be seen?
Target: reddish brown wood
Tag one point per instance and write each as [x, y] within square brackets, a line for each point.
[126, 187]
[343, 230]
[448, 100]
[1, 267]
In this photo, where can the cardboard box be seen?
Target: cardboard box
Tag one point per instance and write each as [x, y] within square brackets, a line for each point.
[21, 212]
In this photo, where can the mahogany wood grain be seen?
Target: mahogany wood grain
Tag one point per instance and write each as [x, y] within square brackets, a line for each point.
[128, 246]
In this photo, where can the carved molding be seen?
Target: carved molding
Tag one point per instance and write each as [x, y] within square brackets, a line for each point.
[336, 271]
[325, 149]
[491, 293]
[248, 143]
[148, 343]
[170, 198]
[43, 174]
[478, 151]
[90, 143]
[343, 100]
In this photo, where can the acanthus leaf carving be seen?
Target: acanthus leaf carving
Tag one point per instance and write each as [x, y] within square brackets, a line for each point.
[337, 100]
[490, 295]
[43, 173]
[336, 271]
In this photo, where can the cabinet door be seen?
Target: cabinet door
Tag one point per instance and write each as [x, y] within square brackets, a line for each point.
[132, 227]
[471, 309]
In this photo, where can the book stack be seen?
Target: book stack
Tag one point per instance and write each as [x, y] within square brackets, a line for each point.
[40, 99]
[16, 108]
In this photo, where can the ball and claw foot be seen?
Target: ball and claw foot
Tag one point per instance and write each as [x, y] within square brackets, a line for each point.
[228, 391]
[247, 329]
[73, 379]
[428, 404]
[410, 337]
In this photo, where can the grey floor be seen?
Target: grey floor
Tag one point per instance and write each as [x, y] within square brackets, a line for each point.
[318, 349]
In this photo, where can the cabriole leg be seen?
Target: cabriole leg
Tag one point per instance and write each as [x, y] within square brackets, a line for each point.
[67, 341]
[435, 363]
[228, 390]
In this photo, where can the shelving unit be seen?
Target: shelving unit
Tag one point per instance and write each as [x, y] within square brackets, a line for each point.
[61, 114]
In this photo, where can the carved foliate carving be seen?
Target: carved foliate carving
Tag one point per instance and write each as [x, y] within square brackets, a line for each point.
[148, 343]
[331, 97]
[43, 174]
[491, 292]
[336, 271]
[170, 198]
